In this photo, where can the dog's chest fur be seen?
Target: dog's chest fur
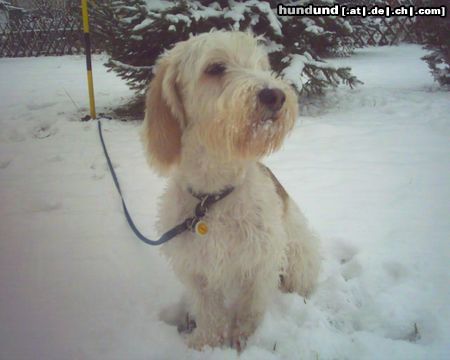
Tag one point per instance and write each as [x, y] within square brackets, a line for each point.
[247, 224]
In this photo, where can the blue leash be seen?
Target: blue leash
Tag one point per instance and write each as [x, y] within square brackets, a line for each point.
[206, 200]
[166, 236]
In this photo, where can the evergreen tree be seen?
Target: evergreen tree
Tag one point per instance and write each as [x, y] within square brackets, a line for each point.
[135, 32]
[435, 33]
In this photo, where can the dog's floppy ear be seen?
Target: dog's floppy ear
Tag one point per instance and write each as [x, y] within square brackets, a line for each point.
[164, 115]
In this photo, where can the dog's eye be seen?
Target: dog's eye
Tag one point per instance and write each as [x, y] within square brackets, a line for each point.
[215, 69]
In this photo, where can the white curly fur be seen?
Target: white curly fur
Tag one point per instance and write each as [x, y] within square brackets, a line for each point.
[208, 132]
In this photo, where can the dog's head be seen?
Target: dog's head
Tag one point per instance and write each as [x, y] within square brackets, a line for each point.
[217, 90]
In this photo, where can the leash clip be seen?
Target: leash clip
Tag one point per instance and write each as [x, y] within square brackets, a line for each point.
[195, 224]
[201, 208]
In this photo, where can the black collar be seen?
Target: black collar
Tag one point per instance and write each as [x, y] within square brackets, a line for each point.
[206, 201]
[212, 196]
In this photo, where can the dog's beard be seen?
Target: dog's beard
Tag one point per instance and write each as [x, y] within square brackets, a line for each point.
[244, 129]
[263, 133]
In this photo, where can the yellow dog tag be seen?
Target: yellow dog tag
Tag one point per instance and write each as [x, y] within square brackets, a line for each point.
[201, 228]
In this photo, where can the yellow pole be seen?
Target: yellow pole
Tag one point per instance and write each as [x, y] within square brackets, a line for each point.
[87, 41]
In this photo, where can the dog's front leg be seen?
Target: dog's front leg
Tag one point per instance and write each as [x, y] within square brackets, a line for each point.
[210, 314]
[250, 307]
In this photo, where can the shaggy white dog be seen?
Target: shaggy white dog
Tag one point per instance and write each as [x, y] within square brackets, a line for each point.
[214, 108]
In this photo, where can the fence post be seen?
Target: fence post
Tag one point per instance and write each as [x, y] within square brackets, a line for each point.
[87, 42]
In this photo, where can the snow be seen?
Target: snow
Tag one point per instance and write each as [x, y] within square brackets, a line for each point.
[147, 22]
[311, 26]
[179, 18]
[314, 29]
[293, 71]
[158, 5]
[264, 7]
[238, 10]
[130, 67]
[369, 167]
[199, 11]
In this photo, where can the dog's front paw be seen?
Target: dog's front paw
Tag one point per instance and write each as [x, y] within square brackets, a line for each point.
[299, 283]
[199, 339]
[242, 330]
[238, 339]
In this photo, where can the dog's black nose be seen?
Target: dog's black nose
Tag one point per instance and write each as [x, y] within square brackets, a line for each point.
[272, 98]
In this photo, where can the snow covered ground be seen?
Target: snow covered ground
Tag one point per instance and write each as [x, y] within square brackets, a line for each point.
[370, 168]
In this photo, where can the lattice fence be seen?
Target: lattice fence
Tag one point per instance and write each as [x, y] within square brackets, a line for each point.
[61, 33]
[41, 36]
[384, 31]
[376, 31]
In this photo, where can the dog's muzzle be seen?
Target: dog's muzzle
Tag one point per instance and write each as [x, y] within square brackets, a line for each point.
[272, 99]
